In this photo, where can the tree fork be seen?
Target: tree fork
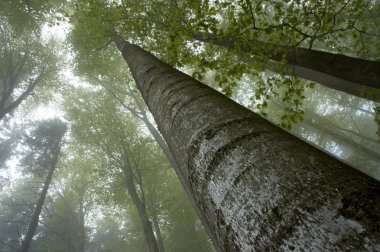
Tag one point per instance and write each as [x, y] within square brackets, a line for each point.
[140, 206]
[259, 187]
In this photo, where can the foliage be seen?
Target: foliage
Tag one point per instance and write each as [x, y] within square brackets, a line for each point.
[171, 29]
[88, 205]
[16, 209]
[26, 63]
[41, 146]
[112, 135]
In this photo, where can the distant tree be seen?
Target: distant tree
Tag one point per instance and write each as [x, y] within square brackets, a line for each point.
[108, 237]
[35, 149]
[25, 60]
[331, 70]
[16, 209]
[8, 141]
[45, 146]
[123, 150]
[61, 228]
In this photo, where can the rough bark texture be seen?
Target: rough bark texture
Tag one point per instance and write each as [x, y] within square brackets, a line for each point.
[350, 75]
[161, 142]
[259, 187]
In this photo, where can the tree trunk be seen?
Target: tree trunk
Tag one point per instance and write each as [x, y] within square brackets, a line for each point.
[259, 187]
[160, 240]
[37, 211]
[325, 128]
[156, 225]
[140, 206]
[161, 142]
[344, 140]
[81, 224]
[350, 75]
[4, 110]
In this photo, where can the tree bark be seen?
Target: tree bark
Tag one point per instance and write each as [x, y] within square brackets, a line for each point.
[259, 187]
[161, 142]
[37, 211]
[350, 75]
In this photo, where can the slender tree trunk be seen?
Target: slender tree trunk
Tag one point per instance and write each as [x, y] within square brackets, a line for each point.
[160, 240]
[326, 130]
[37, 211]
[259, 187]
[344, 140]
[81, 223]
[4, 110]
[326, 123]
[71, 243]
[141, 207]
[352, 132]
[156, 225]
[350, 75]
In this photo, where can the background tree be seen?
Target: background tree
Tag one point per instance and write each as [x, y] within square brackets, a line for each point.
[16, 211]
[134, 162]
[41, 147]
[26, 59]
[45, 144]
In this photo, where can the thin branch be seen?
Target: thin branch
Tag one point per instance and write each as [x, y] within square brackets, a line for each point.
[340, 10]
[130, 109]
[22, 97]
[103, 46]
[248, 2]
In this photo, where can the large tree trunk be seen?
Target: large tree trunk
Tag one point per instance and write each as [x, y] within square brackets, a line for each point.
[259, 187]
[161, 142]
[350, 75]
[41, 200]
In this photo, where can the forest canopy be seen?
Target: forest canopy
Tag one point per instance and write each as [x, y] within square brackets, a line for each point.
[86, 166]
